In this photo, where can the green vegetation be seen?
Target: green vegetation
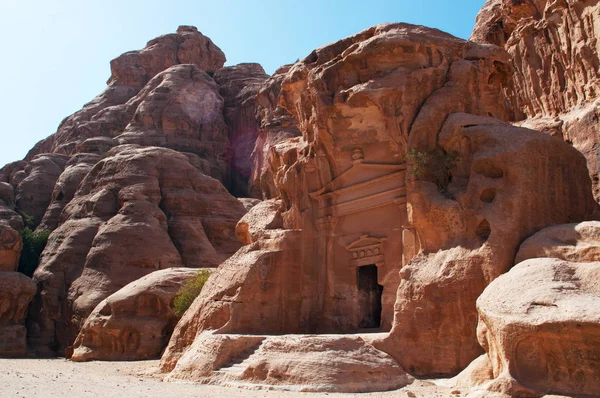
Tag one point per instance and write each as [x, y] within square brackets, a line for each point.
[435, 165]
[33, 245]
[188, 292]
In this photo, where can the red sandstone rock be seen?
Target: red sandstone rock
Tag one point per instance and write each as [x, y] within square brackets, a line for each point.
[34, 192]
[540, 325]
[134, 323]
[556, 57]
[181, 109]
[10, 248]
[138, 210]
[16, 291]
[576, 243]
[305, 363]
[105, 115]
[239, 87]
[504, 188]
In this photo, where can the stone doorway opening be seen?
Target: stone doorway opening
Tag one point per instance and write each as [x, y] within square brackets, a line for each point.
[369, 297]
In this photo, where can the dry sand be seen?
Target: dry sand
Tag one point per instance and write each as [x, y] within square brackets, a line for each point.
[62, 378]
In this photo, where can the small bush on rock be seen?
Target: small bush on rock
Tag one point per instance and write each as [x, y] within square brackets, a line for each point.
[188, 292]
[435, 165]
[33, 245]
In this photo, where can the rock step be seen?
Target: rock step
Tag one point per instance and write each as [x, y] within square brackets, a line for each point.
[236, 366]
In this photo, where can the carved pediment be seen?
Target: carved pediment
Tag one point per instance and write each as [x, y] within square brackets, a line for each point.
[366, 250]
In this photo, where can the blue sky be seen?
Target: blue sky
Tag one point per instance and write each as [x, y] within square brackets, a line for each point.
[56, 54]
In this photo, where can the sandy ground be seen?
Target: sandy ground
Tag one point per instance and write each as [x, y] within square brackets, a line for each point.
[62, 378]
[43, 378]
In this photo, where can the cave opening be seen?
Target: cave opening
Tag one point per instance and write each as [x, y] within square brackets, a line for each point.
[369, 297]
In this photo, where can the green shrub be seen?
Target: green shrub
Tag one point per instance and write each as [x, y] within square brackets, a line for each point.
[188, 292]
[435, 165]
[33, 245]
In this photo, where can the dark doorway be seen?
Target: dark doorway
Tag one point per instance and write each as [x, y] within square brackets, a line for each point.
[369, 297]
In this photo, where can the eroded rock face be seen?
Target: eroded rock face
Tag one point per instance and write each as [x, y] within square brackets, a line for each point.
[508, 183]
[138, 210]
[134, 323]
[555, 53]
[239, 87]
[106, 115]
[576, 243]
[16, 291]
[540, 326]
[331, 363]
[328, 255]
[10, 248]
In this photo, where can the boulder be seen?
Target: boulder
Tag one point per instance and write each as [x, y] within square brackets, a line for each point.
[308, 363]
[577, 243]
[10, 248]
[137, 211]
[16, 291]
[540, 326]
[507, 183]
[134, 323]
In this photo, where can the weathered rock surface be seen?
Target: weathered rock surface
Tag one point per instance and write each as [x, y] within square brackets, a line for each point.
[138, 210]
[34, 192]
[64, 190]
[106, 115]
[16, 291]
[134, 323]
[508, 183]
[239, 87]
[10, 248]
[555, 53]
[540, 327]
[578, 243]
[343, 363]
[276, 126]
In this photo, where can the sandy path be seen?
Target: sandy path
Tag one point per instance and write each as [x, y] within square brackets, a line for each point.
[62, 378]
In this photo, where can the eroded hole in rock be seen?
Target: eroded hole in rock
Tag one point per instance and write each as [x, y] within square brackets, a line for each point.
[60, 196]
[369, 297]
[488, 169]
[488, 195]
[483, 230]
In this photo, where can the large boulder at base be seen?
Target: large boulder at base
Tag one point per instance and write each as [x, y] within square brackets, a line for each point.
[136, 322]
[137, 211]
[508, 183]
[16, 291]
[10, 248]
[540, 327]
[578, 243]
[555, 54]
[326, 363]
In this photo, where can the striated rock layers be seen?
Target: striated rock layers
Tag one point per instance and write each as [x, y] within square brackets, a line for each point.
[358, 241]
[134, 323]
[555, 53]
[138, 210]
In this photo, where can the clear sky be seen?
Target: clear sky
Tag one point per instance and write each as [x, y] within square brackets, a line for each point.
[56, 53]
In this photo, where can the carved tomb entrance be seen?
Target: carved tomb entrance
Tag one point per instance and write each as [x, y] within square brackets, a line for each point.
[369, 297]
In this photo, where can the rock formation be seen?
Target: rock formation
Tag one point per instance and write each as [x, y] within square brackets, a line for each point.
[338, 248]
[16, 291]
[138, 210]
[555, 53]
[134, 323]
[540, 327]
